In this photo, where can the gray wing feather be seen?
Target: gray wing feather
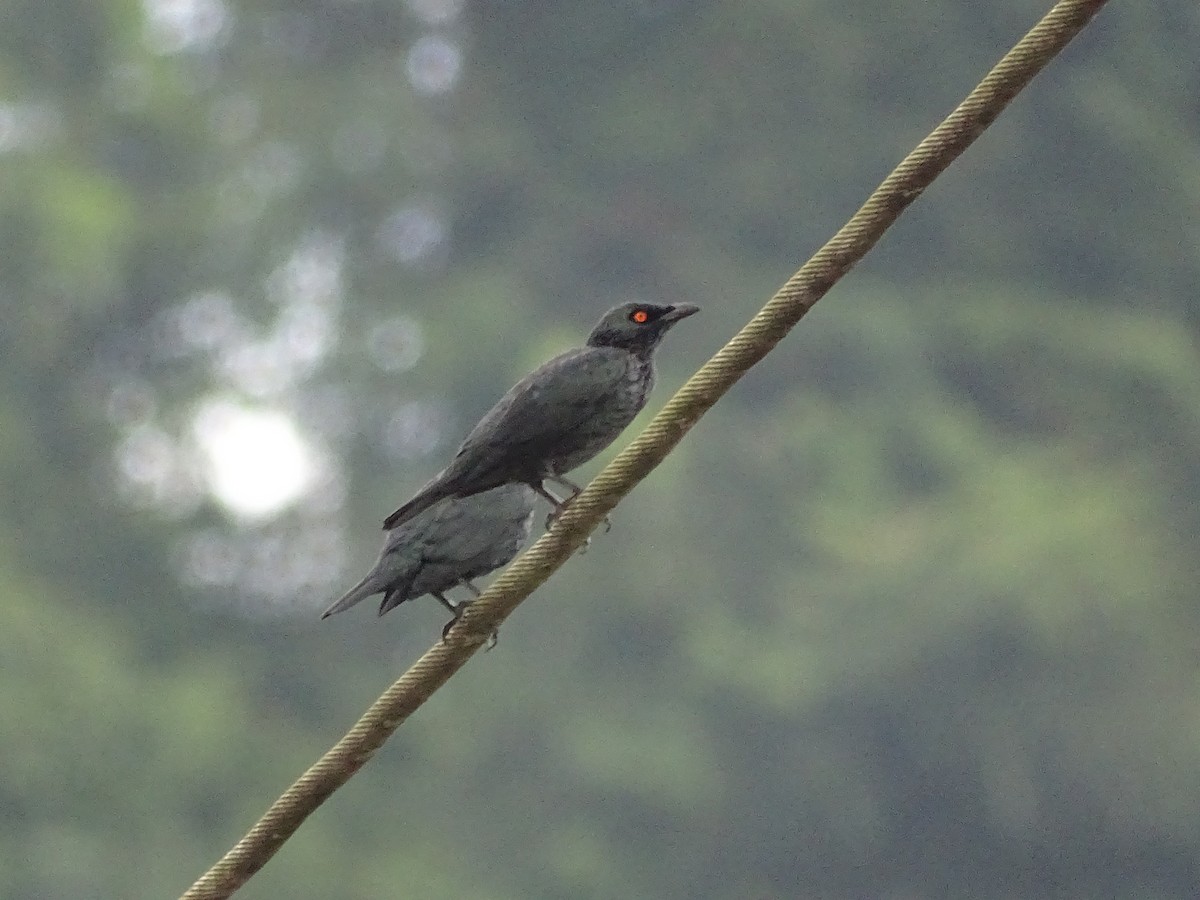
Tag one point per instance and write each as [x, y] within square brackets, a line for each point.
[542, 410]
[513, 440]
[454, 540]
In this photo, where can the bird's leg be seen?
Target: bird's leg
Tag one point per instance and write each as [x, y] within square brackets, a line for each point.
[558, 503]
[455, 608]
[559, 506]
[575, 490]
[564, 482]
[494, 637]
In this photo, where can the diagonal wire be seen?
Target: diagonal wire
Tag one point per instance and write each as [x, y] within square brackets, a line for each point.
[906, 182]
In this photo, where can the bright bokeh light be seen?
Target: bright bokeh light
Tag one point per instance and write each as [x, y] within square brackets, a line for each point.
[434, 64]
[436, 12]
[256, 461]
[396, 343]
[413, 234]
[173, 26]
[27, 126]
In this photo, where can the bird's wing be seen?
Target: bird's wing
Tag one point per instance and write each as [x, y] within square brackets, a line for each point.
[538, 414]
[480, 525]
[544, 408]
[481, 515]
[447, 519]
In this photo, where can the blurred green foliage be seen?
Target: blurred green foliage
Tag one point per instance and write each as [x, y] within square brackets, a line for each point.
[911, 613]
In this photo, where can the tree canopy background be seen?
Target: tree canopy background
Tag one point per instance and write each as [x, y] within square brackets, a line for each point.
[911, 613]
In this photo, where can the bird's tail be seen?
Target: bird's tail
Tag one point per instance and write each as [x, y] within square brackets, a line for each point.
[433, 492]
[363, 589]
[392, 599]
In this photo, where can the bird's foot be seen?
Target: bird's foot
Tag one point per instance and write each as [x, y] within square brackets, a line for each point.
[553, 515]
[458, 611]
[493, 638]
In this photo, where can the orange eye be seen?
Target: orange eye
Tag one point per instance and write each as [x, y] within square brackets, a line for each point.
[640, 316]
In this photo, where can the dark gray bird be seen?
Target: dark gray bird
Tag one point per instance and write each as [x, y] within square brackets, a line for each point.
[447, 545]
[560, 415]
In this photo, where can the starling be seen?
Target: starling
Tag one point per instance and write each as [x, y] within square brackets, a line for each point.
[447, 545]
[560, 415]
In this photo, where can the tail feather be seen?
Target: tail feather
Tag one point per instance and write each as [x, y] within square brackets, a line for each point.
[425, 498]
[392, 599]
[452, 482]
[360, 591]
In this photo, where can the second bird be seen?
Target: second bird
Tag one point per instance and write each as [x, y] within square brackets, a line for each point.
[560, 415]
[447, 546]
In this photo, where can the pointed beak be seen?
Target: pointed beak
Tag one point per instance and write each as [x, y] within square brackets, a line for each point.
[681, 311]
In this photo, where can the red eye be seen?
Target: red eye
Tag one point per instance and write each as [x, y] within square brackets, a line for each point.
[640, 316]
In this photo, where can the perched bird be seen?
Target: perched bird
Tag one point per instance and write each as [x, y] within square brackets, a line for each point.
[560, 415]
[447, 545]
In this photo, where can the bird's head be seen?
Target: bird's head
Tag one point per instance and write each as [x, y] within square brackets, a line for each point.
[637, 326]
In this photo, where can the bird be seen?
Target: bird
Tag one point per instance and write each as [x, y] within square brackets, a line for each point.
[448, 544]
[560, 415]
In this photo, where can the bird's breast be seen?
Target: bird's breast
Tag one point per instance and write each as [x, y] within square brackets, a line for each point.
[640, 378]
